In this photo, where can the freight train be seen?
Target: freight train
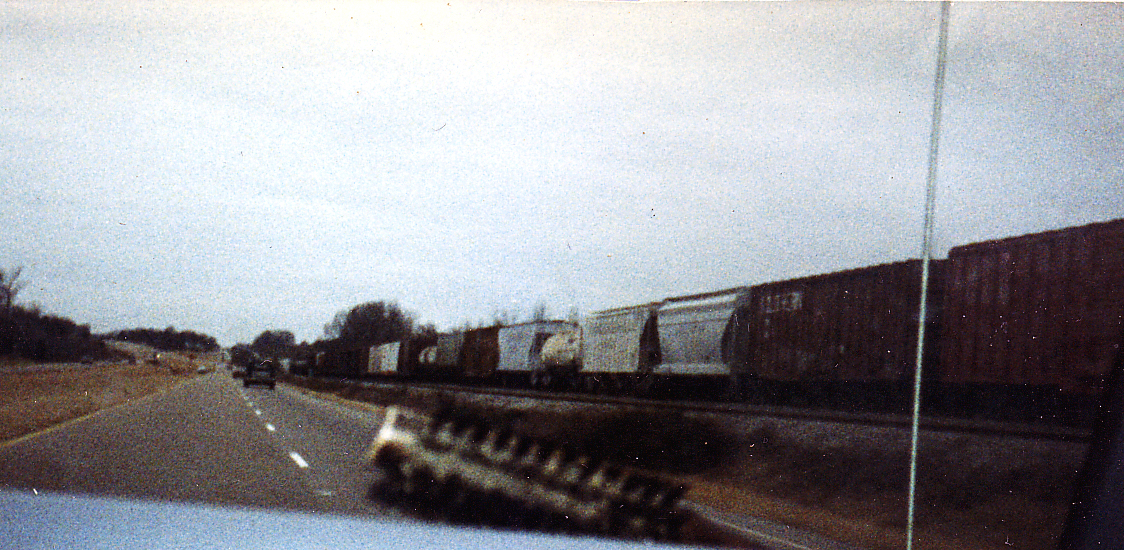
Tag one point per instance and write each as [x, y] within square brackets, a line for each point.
[508, 355]
[1015, 323]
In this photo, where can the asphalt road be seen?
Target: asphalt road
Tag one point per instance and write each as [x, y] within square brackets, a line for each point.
[249, 456]
[208, 441]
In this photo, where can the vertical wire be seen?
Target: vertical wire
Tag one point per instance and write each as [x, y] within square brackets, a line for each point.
[926, 253]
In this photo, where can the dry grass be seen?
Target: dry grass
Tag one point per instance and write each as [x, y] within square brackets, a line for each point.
[33, 401]
[991, 499]
[974, 494]
[860, 498]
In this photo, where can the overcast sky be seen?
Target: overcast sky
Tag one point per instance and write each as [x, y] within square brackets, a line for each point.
[231, 167]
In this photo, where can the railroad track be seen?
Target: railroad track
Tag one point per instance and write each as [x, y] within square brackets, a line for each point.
[1044, 432]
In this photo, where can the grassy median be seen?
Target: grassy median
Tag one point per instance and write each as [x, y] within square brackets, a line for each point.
[34, 397]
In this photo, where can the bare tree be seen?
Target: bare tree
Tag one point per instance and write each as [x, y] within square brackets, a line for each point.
[428, 330]
[500, 319]
[574, 316]
[10, 286]
[539, 312]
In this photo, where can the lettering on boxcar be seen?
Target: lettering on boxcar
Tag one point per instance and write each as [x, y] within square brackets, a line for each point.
[783, 301]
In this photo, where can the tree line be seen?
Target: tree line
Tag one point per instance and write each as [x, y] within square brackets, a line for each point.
[168, 339]
[27, 332]
[367, 324]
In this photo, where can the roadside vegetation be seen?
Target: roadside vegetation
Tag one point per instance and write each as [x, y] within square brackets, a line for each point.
[53, 369]
[974, 493]
[26, 332]
[36, 396]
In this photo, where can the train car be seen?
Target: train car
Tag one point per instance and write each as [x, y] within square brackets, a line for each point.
[521, 347]
[382, 360]
[480, 353]
[620, 348]
[839, 337]
[694, 333]
[410, 352]
[441, 360]
[343, 361]
[301, 365]
[1035, 317]
[561, 360]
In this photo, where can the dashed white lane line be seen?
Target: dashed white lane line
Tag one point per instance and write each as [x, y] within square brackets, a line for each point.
[297, 458]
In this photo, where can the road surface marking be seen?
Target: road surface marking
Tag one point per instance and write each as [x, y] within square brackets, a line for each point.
[257, 412]
[300, 461]
[270, 427]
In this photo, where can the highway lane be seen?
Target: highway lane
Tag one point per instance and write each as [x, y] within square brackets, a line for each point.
[326, 440]
[208, 440]
[212, 441]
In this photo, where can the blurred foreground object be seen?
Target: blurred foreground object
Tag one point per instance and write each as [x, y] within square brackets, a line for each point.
[456, 467]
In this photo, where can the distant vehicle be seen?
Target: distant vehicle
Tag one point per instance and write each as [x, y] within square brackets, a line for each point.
[242, 360]
[262, 374]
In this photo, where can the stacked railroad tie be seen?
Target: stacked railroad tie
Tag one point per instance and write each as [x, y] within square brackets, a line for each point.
[456, 467]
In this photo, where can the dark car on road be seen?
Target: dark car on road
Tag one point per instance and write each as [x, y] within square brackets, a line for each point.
[262, 374]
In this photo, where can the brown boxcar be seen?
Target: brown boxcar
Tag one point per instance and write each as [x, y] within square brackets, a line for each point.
[344, 361]
[858, 325]
[480, 354]
[1035, 310]
[409, 354]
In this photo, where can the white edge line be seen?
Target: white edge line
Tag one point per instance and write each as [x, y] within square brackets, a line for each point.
[297, 458]
[760, 536]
